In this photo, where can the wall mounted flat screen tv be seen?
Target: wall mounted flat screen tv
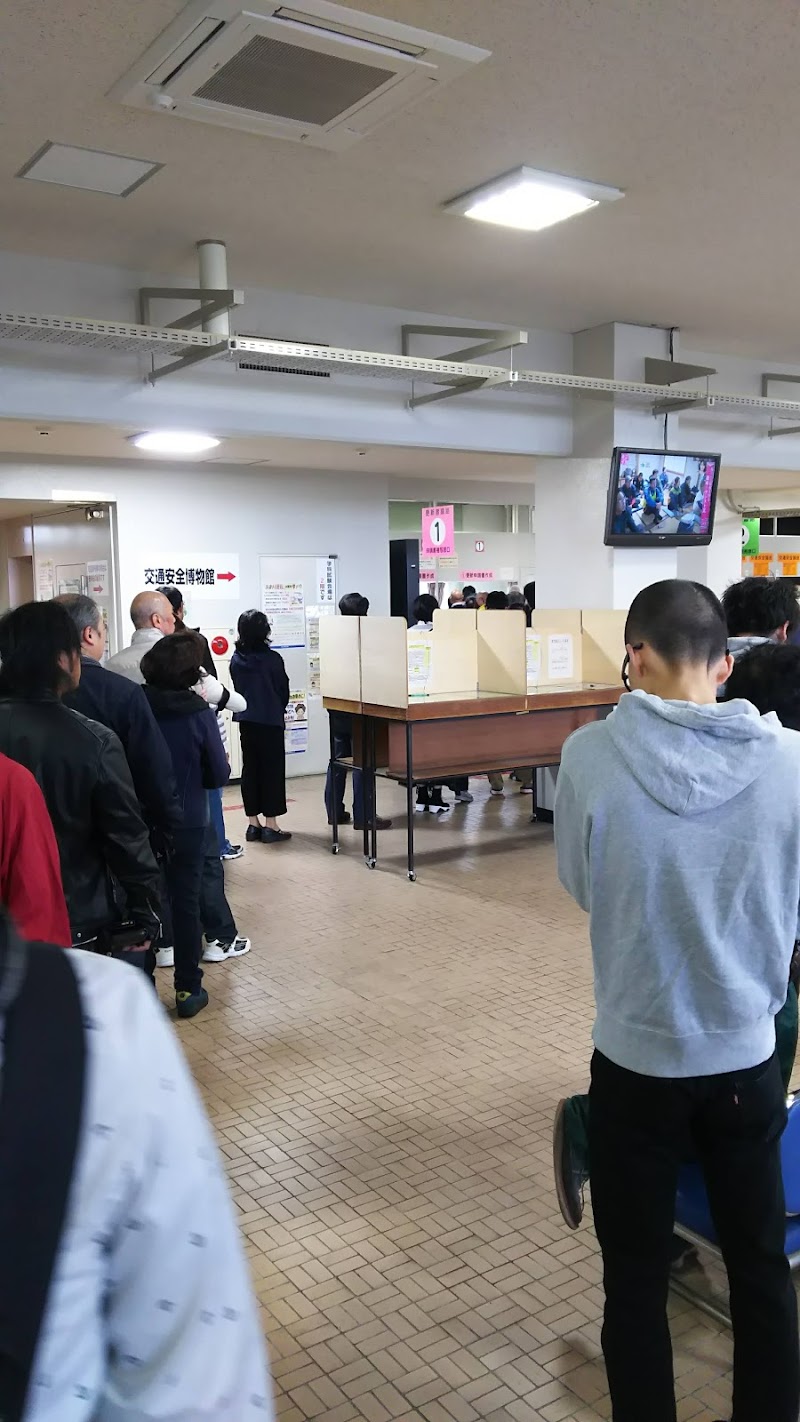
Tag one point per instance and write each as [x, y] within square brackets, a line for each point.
[661, 498]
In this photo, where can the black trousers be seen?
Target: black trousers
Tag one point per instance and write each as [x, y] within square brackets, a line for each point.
[641, 1129]
[183, 872]
[215, 914]
[263, 769]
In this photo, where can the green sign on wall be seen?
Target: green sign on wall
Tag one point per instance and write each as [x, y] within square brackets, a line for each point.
[750, 536]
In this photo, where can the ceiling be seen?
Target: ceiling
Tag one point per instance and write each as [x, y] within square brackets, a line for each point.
[411, 471]
[102, 442]
[692, 108]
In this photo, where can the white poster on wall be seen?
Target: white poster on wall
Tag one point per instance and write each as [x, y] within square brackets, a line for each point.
[296, 724]
[285, 606]
[202, 577]
[326, 582]
[45, 579]
[97, 578]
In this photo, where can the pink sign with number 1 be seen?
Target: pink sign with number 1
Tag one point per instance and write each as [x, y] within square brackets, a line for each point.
[438, 532]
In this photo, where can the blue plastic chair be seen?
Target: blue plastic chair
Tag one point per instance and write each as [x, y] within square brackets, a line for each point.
[693, 1220]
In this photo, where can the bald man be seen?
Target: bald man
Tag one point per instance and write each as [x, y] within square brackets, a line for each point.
[152, 617]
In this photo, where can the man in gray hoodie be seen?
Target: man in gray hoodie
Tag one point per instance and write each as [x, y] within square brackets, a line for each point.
[678, 830]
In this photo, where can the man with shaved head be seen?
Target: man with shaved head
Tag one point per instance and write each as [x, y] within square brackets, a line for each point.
[152, 617]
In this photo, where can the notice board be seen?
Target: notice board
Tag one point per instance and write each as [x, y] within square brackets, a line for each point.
[296, 591]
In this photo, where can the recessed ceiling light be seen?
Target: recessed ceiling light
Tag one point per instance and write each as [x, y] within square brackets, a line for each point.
[174, 442]
[531, 200]
[88, 168]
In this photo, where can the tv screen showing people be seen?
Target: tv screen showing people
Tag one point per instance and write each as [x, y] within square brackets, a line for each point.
[662, 497]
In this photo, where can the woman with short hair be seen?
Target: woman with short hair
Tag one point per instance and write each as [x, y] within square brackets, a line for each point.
[259, 675]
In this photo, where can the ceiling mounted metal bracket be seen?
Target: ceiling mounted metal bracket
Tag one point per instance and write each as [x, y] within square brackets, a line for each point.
[506, 377]
[213, 301]
[673, 372]
[491, 340]
[775, 431]
[671, 407]
[184, 361]
[772, 375]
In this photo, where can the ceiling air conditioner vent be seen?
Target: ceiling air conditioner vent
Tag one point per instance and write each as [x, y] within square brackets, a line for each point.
[324, 75]
[253, 361]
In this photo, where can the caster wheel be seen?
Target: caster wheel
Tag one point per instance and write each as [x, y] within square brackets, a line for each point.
[371, 863]
[412, 876]
[334, 849]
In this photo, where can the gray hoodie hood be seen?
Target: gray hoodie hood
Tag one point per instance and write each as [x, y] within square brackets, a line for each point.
[737, 646]
[691, 758]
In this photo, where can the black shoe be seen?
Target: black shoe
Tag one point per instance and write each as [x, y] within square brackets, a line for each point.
[569, 1177]
[188, 1004]
[379, 824]
[343, 818]
[254, 833]
[271, 836]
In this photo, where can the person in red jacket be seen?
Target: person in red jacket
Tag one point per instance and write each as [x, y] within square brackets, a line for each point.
[30, 871]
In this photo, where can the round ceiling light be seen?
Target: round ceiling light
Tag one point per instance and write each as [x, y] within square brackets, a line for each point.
[174, 442]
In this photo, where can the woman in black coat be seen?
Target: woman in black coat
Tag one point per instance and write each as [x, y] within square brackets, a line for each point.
[259, 675]
[170, 669]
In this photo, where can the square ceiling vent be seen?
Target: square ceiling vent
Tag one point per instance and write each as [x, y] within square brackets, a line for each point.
[323, 75]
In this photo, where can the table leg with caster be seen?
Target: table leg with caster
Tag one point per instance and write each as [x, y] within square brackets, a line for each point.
[410, 799]
[373, 802]
[334, 793]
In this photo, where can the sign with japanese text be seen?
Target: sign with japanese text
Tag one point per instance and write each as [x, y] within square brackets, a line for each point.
[200, 576]
[438, 531]
[477, 575]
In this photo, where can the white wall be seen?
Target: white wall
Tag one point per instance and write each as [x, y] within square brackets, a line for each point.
[227, 509]
[43, 382]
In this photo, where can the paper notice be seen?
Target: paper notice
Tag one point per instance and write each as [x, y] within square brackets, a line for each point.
[296, 723]
[284, 604]
[560, 657]
[533, 658]
[420, 648]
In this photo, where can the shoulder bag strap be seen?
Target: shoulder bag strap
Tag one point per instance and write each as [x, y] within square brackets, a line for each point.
[41, 1105]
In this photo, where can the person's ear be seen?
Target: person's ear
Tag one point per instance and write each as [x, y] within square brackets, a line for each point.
[723, 670]
[638, 658]
[781, 634]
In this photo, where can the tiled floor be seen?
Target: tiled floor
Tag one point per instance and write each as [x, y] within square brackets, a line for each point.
[382, 1071]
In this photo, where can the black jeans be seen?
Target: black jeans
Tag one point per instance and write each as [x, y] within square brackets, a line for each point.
[183, 872]
[641, 1129]
[215, 913]
[336, 780]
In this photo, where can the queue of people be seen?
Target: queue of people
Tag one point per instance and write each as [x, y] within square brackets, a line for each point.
[133, 1204]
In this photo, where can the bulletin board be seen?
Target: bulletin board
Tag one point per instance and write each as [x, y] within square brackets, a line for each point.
[296, 591]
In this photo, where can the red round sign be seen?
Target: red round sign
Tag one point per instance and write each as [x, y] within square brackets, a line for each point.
[220, 646]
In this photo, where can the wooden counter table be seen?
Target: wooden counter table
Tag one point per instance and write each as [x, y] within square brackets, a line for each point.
[441, 737]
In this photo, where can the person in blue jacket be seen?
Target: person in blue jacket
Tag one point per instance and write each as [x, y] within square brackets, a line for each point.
[259, 675]
[654, 498]
[171, 668]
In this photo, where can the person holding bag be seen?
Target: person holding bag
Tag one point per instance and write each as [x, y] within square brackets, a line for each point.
[259, 675]
[171, 668]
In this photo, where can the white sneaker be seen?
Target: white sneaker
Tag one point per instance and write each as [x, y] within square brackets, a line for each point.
[464, 798]
[217, 952]
[439, 809]
[165, 957]
[496, 792]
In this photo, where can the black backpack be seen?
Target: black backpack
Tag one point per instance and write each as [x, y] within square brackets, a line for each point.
[42, 1075]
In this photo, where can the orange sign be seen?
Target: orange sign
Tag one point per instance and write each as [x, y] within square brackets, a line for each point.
[789, 562]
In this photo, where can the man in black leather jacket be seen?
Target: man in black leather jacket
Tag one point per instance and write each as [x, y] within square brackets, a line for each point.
[84, 776]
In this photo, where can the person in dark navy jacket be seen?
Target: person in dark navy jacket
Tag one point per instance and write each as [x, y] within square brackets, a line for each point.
[170, 669]
[120, 704]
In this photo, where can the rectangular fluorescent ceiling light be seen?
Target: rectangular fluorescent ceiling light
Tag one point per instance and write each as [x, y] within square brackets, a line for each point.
[88, 168]
[531, 200]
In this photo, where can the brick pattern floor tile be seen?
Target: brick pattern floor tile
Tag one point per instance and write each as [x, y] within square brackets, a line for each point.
[381, 1071]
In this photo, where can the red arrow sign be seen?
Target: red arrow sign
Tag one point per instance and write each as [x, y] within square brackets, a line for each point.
[225, 577]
